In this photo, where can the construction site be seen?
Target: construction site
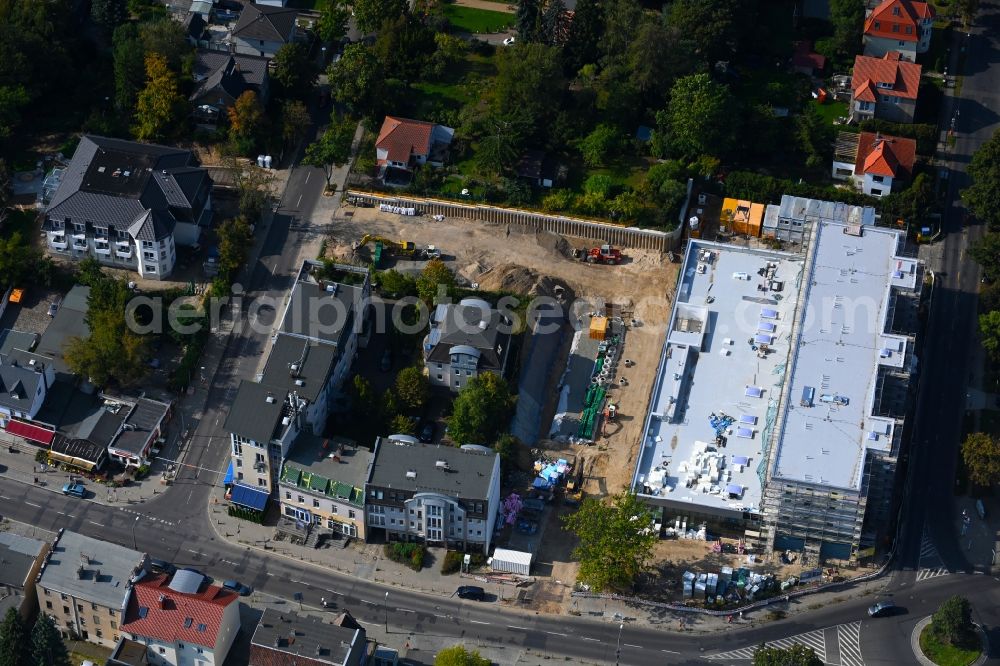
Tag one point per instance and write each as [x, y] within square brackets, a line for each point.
[587, 388]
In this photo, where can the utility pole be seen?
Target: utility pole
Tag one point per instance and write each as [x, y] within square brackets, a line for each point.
[134, 547]
[386, 607]
[618, 650]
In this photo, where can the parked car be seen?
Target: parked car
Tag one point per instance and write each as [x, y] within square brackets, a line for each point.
[881, 609]
[473, 592]
[237, 587]
[426, 434]
[75, 489]
[162, 566]
[54, 307]
[527, 526]
[536, 505]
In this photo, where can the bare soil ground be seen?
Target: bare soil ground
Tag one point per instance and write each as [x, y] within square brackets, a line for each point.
[499, 257]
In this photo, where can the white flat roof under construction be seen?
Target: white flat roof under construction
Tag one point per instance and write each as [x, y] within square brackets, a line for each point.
[827, 423]
[716, 379]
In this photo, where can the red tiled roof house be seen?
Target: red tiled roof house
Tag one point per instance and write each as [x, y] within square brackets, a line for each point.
[899, 25]
[884, 88]
[181, 620]
[406, 144]
[875, 162]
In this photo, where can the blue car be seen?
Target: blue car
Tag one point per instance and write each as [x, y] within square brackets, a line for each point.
[74, 489]
[237, 587]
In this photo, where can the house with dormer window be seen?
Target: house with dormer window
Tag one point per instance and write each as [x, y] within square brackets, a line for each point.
[884, 87]
[465, 340]
[899, 25]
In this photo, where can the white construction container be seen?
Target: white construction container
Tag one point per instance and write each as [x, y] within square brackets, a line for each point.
[512, 561]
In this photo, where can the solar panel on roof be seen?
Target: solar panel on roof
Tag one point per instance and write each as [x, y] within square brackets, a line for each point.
[744, 433]
[741, 460]
[763, 338]
[754, 392]
[768, 313]
[748, 419]
[766, 326]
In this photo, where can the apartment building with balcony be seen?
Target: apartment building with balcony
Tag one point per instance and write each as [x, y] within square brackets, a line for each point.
[439, 495]
[128, 205]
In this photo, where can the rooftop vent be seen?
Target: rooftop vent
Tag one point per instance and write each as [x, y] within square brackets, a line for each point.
[331, 288]
[79, 572]
[162, 601]
[300, 382]
[294, 368]
[442, 464]
[411, 473]
[84, 558]
[270, 399]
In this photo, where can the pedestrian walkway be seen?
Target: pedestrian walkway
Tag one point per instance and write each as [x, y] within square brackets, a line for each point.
[930, 564]
[838, 645]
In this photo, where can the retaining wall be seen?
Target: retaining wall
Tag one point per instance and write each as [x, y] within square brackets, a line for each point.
[621, 236]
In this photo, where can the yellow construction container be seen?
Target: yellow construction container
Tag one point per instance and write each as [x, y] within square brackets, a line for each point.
[598, 328]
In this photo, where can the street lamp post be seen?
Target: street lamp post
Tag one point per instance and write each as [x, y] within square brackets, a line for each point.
[618, 649]
[386, 607]
[134, 547]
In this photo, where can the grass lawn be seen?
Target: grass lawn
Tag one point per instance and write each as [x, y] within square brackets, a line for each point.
[461, 86]
[947, 655]
[470, 19]
[831, 110]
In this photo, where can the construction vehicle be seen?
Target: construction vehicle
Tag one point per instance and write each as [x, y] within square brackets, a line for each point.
[385, 245]
[605, 254]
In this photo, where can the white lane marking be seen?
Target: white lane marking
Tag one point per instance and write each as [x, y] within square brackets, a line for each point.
[405, 610]
[669, 651]
[370, 603]
[39, 506]
[511, 626]
[308, 173]
[94, 522]
[556, 633]
[588, 638]
[300, 582]
[297, 203]
[477, 622]
[441, 616]
[632, 646]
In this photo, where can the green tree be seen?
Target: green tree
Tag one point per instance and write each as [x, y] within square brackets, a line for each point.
[713, 26]
[108, 13]
[295, 121]
[357, 79]
[246, 120]
[253, 185]
[626, 206]
[528, 85]
[983, 196]
[989, 332]
[601, 145]
[482, 410]
[12, 100]
[160, 104]
[585, 33]
[507, 447]
[396, 285]
[111, 353]
[412, 388]
[986, 253]
[700, 118]
[967, 10]
[14, 645]
[656, 57]
[371, 14]
[400, 424]
[458, 655]
[555, 23]
[16, 258]
[167, 37]
[403, 46]
[814, 136]
[952, 621]
[47, 647]
[620, 20]
[529, 20]
[848, 19]
[294, 70]
[331, 26]
[794, 655]
[501, 145]
[981, 454]
[616, 540]
[333, 148]
[366, 405]
[128, 54]
[235, 238]
[434, 279]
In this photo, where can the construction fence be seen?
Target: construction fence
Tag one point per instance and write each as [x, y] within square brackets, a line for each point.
[622, 236]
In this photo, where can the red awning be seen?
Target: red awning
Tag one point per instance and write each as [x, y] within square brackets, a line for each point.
[29, 431]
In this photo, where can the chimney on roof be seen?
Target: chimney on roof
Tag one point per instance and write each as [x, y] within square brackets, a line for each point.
[162, 601]
[291, 637]
[319, 649]
[97, 575]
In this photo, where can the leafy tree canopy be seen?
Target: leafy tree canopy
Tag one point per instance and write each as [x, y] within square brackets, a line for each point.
[412, 388]
[616, 541]
[434, 279]
[981, 454]
[458, 655]
[983, 195]
[699, 118]
[294, 70]
[952, 621]
[371, 14]
[482, 410]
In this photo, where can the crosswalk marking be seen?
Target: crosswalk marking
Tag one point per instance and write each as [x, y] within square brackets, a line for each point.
[930, 564]
[849, 640]
[848, 637]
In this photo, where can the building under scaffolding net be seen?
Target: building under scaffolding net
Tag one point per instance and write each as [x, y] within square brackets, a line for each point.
[781, 420]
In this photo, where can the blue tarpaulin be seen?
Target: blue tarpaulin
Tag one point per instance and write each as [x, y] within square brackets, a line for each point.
[541, 483]
[229, 475]
[251, 498]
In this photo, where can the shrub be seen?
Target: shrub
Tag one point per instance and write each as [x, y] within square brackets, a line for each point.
[42, 456]
[600, 185]
[558, 200]
[410, 554]
[451, 563]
